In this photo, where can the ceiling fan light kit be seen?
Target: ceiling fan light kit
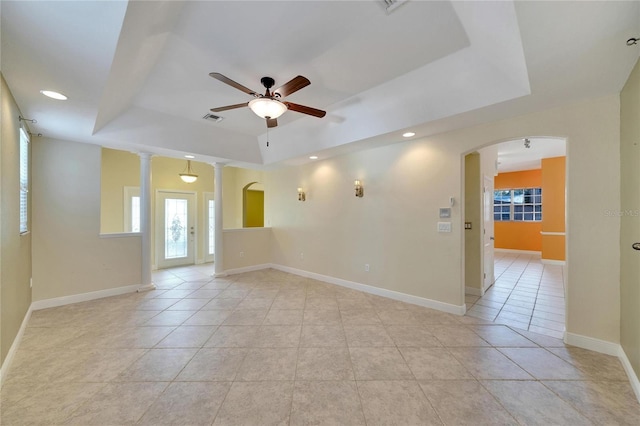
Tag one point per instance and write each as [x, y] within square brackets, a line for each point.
[269, 106]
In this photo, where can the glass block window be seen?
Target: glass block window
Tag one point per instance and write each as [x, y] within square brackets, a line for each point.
[517, 205]
[24, 182]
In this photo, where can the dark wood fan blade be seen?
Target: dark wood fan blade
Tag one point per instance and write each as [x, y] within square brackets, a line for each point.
[292, 86]
[305, 109]
[232, 83]
[272, 122]
[225, 108]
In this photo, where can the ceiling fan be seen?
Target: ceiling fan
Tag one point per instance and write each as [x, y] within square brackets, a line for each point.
[270, 106]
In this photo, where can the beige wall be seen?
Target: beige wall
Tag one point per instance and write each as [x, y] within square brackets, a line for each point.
[393, 228]
[69, 256]
[15, 249]
[630, 217]
[246, 247]
[473, 214]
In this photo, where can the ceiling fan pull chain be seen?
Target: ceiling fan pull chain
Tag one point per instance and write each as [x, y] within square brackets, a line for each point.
[267, 137]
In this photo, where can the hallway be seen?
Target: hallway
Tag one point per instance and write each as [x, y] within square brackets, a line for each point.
[527, 295]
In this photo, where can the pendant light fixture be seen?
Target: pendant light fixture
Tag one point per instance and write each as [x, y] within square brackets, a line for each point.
[188, 176]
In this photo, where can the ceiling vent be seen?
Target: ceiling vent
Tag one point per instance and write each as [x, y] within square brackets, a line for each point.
[391, 5]
[213, 117]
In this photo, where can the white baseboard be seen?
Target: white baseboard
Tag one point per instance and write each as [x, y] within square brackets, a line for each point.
[245, 269]
[628, 368]
[82, 297]
[14, 346]
[473, 291]
[503, 250]
[391, 294]
[585, 342]
[608, 348]
[146, 287]
[553, 262]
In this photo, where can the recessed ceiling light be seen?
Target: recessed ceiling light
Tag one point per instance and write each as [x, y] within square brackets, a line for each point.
[54, 95]
[408, 134]
[189, 156]
[313, 157]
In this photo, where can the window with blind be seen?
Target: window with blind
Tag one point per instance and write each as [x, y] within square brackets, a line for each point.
[24, 181]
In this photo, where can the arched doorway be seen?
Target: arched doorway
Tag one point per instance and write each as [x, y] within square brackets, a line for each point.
[514, 208]
[253, 205]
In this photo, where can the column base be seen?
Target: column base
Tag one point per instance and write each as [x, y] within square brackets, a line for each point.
[146, 287]
[219, 275]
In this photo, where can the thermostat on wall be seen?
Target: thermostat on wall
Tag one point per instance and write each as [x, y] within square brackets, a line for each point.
[445, 213]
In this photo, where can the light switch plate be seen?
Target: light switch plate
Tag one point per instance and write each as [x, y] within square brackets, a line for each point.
[445, 213]
[444, 226]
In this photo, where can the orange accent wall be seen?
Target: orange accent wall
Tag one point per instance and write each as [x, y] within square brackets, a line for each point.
[519, 235]
[553, 207]
[524, 179]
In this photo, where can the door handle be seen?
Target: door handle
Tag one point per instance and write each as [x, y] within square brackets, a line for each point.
[492, 239]
[635, 246]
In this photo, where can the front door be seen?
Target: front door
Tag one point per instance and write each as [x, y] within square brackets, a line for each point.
[175, 228]
[487, 233]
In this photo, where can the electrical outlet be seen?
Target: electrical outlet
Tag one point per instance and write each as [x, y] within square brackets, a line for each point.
[366, 267]
[241, 254]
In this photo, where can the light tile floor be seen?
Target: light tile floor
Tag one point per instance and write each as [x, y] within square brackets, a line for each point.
[267, 347]
[527, 294]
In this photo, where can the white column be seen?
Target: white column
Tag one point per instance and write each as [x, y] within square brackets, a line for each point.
[218, 261]
[145, 220]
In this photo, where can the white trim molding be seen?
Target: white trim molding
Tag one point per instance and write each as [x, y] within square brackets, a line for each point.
[391, 294]
[395, 295]
[556, 234]
[84, 297]
[503, 250]
[585, 342]
[631, 374]
[608, 348]
[553, 262]
[245, 269]
[14, 346]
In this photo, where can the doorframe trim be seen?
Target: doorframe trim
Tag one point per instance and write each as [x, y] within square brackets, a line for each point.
[155, 217]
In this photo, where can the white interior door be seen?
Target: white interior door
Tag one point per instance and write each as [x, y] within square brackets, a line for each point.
[175, 228]
[487, 233]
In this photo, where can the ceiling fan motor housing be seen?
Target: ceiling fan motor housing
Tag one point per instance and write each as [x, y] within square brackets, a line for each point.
[267, 82]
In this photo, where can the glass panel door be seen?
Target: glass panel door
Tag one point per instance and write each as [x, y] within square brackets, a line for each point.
[176, 233]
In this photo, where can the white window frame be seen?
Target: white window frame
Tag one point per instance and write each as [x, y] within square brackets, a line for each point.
[208, 254]
[129, 192]
[513, 204]
[25, 141]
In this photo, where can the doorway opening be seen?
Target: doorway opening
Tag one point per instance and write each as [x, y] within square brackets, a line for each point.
[515, 223]
[253, 205]
[175, 228]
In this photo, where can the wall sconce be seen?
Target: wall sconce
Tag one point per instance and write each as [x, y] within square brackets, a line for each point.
[301, 195]
[188, 176]
[359, 189]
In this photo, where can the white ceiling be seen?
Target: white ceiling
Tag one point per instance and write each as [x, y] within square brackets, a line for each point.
[515, 156]
[136, 73]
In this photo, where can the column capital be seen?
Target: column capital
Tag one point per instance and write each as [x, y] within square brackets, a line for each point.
[218, 164]
[145, 155]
